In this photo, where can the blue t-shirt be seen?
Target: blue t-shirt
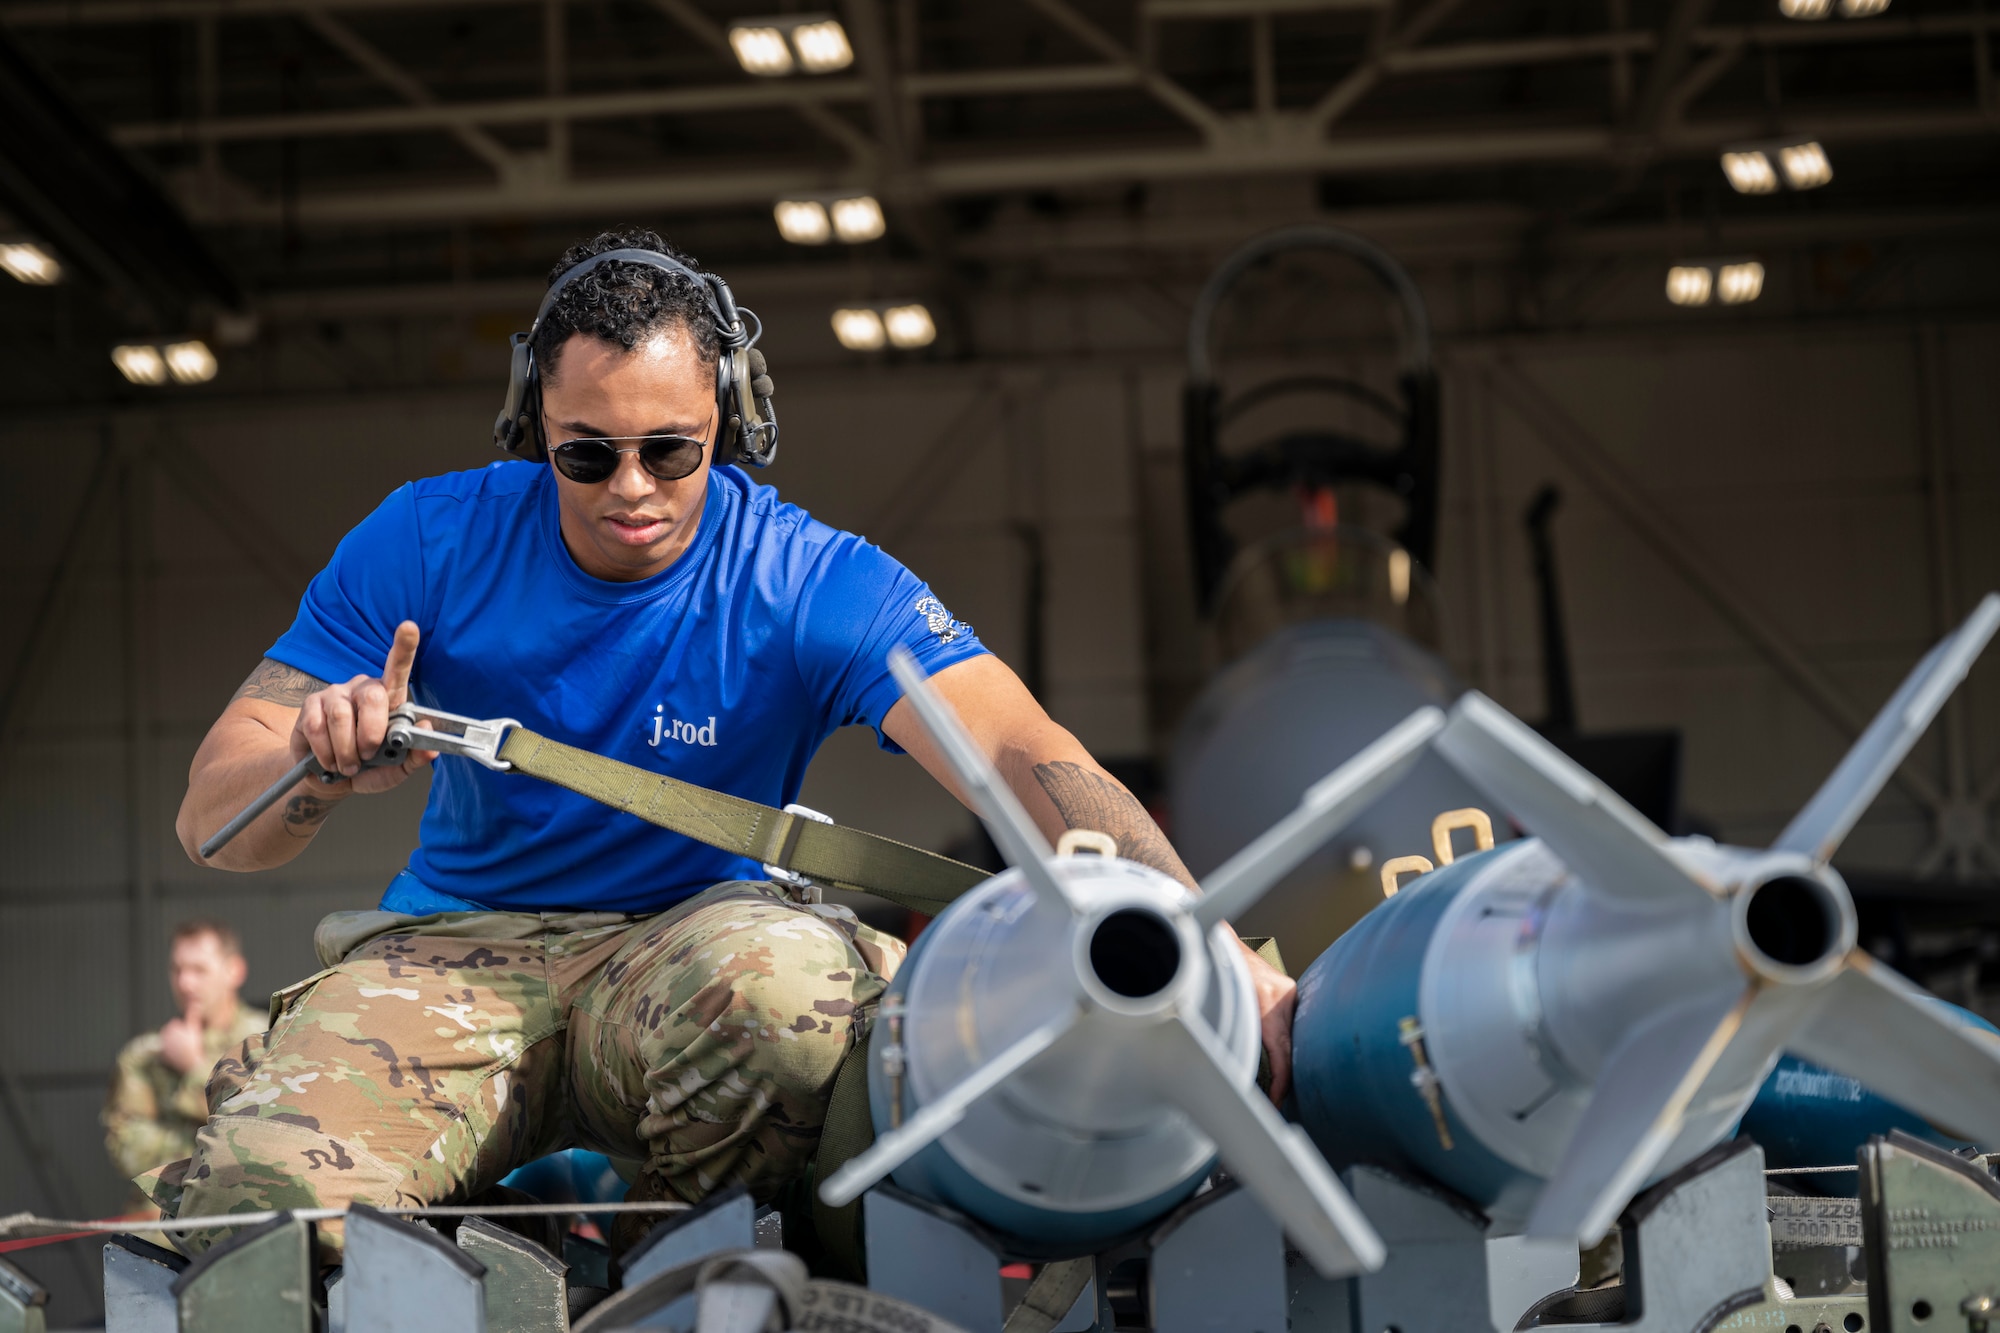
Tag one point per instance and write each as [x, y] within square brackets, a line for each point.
[727, 669]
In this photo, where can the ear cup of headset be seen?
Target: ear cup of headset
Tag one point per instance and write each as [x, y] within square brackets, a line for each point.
[728, 421]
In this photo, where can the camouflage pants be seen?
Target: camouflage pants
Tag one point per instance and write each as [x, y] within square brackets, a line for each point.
[442, 1053]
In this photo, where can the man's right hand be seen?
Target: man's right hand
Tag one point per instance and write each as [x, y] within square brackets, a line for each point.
[343, 725]
[181, 1041]
[278, 716]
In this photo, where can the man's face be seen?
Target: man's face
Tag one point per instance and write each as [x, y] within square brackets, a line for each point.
[204, 974]
[631, 525]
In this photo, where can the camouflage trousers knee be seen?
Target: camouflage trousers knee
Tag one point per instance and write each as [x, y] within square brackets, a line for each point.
[699, 1047]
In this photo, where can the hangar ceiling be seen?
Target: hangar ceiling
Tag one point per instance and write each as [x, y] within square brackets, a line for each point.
[384, 142]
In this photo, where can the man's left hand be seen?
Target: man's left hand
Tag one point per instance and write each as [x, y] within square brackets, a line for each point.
[1277, 994]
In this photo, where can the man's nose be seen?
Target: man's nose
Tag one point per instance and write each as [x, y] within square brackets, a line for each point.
[631, 481]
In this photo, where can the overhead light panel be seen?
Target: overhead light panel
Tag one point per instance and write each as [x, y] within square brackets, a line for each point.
[1689, 284]
[1739, 282]
[1733, 281]
[1805, 165]
[189, 362]
[909, 325]
[858, 219]
[850, 218]
[1750, 171]
[27, 262]
[140, 363]
[822, 46]
[774, 47]
[1798, 164]
[859, 329]
[802, 221]
[1818, 9]
[761, 50]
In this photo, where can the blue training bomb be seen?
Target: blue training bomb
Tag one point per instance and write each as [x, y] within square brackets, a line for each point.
[1548, 1026]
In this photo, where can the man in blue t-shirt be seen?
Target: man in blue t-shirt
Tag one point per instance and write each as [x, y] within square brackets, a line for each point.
[545, 971]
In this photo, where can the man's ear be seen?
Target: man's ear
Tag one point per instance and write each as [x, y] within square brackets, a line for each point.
[239, 971]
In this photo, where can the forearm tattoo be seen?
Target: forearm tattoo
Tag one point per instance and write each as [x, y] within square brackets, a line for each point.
[304, 814]
[1089, 799]
[274, 682]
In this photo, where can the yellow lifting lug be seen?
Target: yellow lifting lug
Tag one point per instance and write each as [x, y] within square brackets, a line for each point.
[1395, 868]
[1450, 822]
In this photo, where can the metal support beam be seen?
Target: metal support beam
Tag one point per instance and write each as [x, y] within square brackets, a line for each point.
[513, 111]
[1594, 466]
[1361, 80]
[1618, 13]
[1676, 45]
[555, 81]
[1698, 81]
[399, 80]
[1263, 66]
[1471, 145]
[1170, 94]
[871, 49]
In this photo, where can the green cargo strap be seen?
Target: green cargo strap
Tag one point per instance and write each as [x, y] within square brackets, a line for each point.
[848, 1131]
[844, 858]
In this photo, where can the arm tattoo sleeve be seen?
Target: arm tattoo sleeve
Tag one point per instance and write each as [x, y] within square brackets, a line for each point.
[277, 683]
[1089, 799]
[304, 814]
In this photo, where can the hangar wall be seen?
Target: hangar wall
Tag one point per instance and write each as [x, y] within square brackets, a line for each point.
[1843, 476]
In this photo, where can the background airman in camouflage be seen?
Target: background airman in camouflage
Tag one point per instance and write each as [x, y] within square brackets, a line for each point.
[159, 1094]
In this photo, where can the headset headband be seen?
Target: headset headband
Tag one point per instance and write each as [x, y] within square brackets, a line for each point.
[713, 289]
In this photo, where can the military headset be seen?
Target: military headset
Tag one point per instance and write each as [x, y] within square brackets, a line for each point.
[747, 428]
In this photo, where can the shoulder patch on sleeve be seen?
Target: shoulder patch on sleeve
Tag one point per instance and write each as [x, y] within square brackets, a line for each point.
[940, 621]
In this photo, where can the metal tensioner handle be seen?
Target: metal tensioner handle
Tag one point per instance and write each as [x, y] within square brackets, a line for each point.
[471, 738]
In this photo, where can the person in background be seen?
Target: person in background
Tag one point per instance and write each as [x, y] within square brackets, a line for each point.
[159, 1089]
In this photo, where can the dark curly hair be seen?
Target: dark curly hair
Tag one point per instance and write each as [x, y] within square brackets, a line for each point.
[625, 303]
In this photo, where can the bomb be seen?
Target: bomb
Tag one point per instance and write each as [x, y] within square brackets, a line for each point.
[1548, 1026]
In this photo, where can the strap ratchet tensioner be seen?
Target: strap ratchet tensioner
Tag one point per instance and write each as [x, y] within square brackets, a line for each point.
[411, 727]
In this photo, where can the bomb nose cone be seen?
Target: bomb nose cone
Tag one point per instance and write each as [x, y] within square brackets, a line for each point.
[1793, 926]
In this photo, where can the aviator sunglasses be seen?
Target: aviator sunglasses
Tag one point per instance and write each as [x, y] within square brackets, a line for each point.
[591, 460]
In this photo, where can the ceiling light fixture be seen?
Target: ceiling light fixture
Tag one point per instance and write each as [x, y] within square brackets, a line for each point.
[858, 219]
[1805, 165]
[1734, 281]
[775, 47]
[1810, 10]
[909, 325]
[853, 218]
[1798, 164]
[871, 328]
[859, 329]
[190, 362]
[1739, 282]
[761, 50]
[802, 221]
[822, 46]
[30, 263]
[140, 363]
[1689, 284]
